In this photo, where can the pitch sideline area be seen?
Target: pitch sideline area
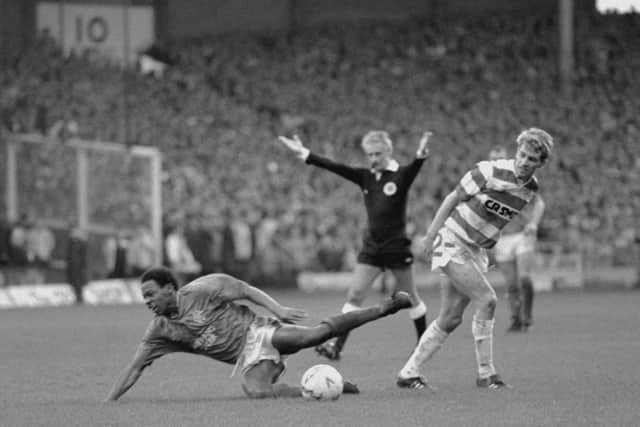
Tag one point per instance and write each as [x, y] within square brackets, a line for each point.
[578, 367]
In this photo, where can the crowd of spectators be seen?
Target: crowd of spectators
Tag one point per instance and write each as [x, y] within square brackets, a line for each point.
[216, 112]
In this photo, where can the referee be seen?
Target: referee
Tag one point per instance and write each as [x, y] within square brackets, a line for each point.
[385, 186]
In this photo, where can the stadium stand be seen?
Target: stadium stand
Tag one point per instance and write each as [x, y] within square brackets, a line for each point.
[215, 114]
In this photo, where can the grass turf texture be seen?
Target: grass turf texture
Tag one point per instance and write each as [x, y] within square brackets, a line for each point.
[577, 367]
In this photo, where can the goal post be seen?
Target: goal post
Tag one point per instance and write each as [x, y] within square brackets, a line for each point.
[101, 187]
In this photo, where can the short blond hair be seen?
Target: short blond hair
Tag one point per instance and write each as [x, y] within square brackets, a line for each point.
[537, 139]
[377, 137]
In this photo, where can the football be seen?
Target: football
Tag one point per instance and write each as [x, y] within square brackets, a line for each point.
[321, 382]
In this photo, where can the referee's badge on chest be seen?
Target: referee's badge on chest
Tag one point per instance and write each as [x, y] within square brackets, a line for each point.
[390, 188]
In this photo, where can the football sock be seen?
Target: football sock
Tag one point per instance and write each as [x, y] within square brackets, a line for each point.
[429, 343]
[482, 331]
[347, 307]
[419, 316]
[527, 299]
[514, 302]
[343, 323]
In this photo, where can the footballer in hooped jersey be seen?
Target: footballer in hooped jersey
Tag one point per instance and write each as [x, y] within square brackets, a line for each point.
[468, 222]
[514, 253]
[386, 247]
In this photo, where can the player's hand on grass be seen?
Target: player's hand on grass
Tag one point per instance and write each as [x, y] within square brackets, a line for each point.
[290, 314]
[423, 145]
[294, 144]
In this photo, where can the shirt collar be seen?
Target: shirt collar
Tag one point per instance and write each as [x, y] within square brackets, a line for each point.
[392, 166]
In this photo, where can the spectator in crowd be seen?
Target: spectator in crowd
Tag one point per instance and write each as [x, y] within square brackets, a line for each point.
[141, 253]
[18, 253]
[40, 244]
[243, 237]
[180, 258]
[4, 242]
[200, 241]
[485, 78]
[116, 255]
[77, 267]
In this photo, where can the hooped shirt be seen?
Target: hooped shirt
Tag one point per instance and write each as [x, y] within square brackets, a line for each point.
[491, 198]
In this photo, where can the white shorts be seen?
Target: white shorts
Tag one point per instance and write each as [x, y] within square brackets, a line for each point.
[450, 248]
[510, 246]
[258, 346]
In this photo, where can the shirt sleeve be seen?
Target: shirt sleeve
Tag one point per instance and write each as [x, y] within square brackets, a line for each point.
[154, 345]
[412, 170]
[352, 174]
[204, 290]
[472, 182]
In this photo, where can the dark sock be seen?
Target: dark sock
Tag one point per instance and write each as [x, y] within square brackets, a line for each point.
[341, 324]
[514, 302]
[527, 299]
[421, 325]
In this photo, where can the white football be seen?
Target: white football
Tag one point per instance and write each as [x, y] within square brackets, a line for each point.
[321, 382]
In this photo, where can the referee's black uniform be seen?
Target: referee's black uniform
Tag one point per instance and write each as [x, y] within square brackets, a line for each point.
[385, 243]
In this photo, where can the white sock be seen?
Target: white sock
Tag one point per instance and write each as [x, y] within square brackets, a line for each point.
[482, 331]
[418, 311]
[429, 343]
[348, 307]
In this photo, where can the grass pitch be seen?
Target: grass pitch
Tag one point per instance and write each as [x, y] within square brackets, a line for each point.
[579, 366]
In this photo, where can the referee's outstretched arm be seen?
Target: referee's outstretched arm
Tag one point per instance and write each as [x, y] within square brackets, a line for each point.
[350, 173]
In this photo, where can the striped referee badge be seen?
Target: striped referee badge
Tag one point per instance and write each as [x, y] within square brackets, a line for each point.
[390, 188]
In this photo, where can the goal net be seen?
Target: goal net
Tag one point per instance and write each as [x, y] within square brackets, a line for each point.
[100, 187]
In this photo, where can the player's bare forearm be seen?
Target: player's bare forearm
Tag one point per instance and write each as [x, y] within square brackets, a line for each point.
[537, 212]
[126, 380]
[261, 298]
[288, 314]
[446, 207]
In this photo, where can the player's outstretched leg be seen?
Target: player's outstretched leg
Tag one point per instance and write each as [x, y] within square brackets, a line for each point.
[345, 322]
[289, 339]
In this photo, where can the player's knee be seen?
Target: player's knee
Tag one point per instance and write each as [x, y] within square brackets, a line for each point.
[488, 302]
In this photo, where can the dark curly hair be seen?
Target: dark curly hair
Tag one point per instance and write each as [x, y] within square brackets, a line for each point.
[161, 275]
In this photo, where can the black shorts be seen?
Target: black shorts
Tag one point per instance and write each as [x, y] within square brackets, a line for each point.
[394, 260]
[392, 253]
